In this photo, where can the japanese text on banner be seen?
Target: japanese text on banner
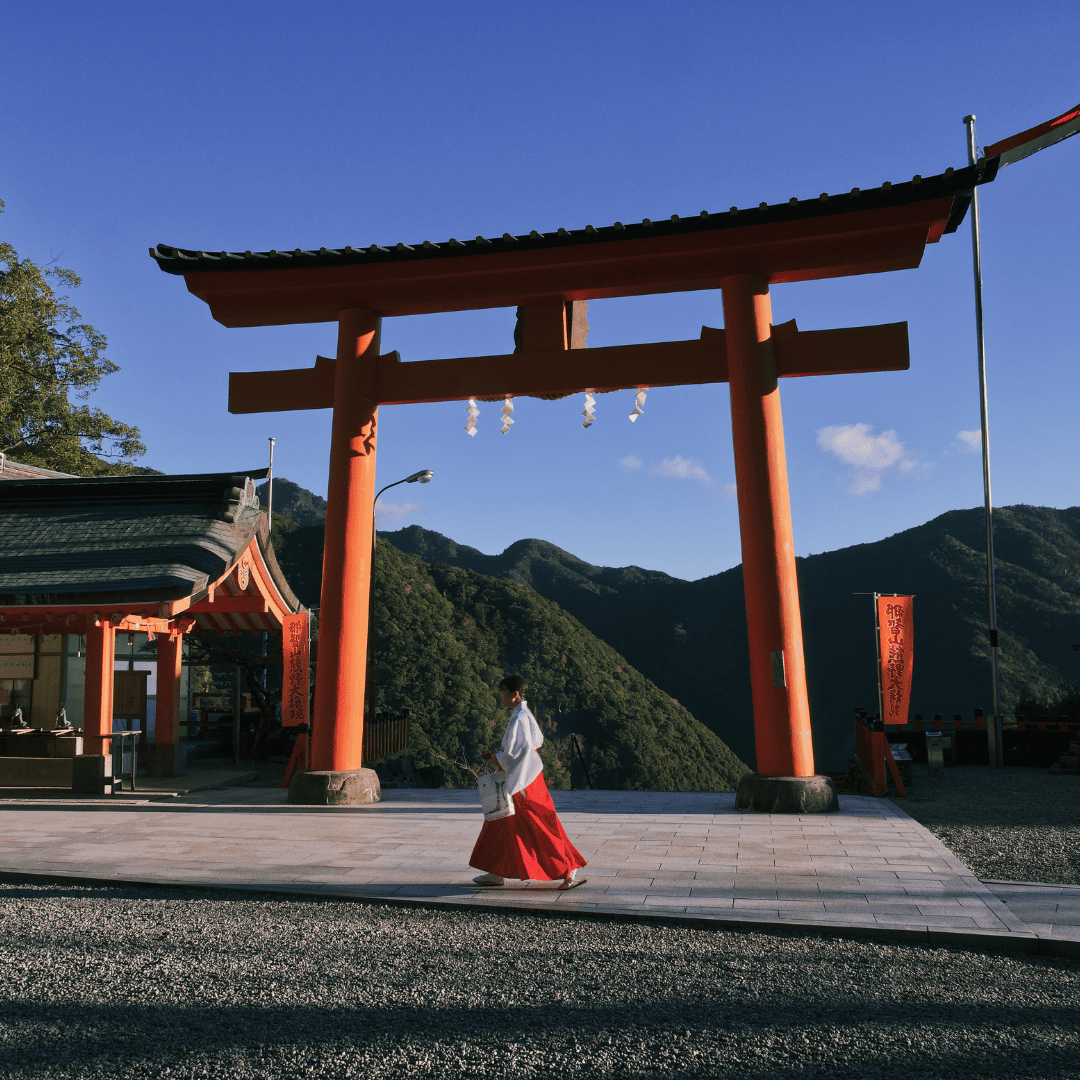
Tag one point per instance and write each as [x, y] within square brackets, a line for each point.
[294, 653]
[895, 645]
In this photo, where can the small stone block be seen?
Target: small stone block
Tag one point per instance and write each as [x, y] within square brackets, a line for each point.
[88, 772]
[786, 794]
[348, 787]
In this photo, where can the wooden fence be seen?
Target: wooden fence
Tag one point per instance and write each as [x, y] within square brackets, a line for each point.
[385, 734]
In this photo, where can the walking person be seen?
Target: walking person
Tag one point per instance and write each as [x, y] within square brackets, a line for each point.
[530, 844]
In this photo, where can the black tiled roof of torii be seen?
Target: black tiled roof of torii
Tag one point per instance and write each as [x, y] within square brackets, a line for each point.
[126, 538]
[958, 183]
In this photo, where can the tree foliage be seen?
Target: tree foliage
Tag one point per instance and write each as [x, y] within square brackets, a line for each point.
[50, 361]
[443, 638]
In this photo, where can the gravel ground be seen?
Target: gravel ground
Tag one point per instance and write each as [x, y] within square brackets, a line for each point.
[126, 982]
[1004, 824]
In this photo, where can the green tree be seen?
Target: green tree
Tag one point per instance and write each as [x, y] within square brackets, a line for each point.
[47, 358]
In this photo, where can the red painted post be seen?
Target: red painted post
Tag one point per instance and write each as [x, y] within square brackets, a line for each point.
[170, 651]
[877, 751]
[98, 686]
[773, 621]
[338, 715]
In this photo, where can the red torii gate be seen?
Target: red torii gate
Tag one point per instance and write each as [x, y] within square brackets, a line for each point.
[550, 277]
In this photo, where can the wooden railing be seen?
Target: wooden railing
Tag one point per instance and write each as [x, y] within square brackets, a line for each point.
[385, 734]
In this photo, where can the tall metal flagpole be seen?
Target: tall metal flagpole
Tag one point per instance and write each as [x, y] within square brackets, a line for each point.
[270, 490]
[991, 595]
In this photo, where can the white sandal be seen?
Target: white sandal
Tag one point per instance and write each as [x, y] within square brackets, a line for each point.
[572, 881]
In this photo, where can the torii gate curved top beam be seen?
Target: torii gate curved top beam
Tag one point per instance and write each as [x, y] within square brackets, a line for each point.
[550, 276]
[859, 232]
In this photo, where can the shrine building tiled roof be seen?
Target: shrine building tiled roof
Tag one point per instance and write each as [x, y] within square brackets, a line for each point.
[115, 540]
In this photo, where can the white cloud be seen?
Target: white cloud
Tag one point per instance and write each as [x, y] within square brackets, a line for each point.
[631, 462]
[868, 455]
[394, 513]
[681, 468]
[970, 441]
[854, 445]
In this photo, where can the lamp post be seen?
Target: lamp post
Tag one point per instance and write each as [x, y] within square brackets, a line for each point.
[422, 477]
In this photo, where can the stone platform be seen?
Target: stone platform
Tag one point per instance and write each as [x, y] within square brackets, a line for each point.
[867, 869]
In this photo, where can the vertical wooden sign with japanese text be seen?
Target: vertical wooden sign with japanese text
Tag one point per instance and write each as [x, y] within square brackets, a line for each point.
[294, 653]
[895, 649]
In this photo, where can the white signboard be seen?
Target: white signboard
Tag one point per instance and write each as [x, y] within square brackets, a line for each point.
[17, 666]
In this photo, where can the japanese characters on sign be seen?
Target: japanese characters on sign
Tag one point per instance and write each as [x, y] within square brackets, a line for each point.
[294, 688]
[895, 645]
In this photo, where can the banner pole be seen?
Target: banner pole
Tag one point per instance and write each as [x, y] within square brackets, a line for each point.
[877, 649]
[991, 595]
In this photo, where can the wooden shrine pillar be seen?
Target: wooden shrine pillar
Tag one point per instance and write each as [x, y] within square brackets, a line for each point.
[773, 619]
[168, 756]
[98, 686]
[338, 714]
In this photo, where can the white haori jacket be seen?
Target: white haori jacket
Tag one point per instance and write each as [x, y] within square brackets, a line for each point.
[518, 757]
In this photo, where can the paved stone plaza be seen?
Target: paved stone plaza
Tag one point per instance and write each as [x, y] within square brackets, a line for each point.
[869, 869]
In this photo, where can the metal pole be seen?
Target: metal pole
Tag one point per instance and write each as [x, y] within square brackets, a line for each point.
[236, 715]
[423, 477]
[270, 491]
[991, 595]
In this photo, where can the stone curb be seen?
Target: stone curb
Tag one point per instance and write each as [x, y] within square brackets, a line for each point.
[983, 892]
[985, 940]
[1029, 884]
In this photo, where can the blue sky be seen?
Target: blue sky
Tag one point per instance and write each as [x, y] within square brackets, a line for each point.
[243, 125]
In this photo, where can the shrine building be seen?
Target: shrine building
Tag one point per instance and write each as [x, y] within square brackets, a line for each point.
[103, 577]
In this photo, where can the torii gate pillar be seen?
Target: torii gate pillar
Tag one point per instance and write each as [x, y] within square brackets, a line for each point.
[338, 714]
[785, 780]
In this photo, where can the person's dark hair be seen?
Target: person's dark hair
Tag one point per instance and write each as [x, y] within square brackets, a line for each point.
[515, 684]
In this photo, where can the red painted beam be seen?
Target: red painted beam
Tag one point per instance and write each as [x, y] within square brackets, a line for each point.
[846, 351]
[861, 242]
[571, 371]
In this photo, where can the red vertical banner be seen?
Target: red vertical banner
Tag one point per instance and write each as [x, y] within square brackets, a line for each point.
[295, 658]
[895, 648]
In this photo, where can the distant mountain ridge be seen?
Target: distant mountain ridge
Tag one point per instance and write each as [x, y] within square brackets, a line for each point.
[443, 636]
[292, 501]
[689, 638]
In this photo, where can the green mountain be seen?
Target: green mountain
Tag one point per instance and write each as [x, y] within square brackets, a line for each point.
[292, 501]
[690, 637]
[442, 639]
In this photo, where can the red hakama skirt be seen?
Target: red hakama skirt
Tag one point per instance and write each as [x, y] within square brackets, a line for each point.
[531, 844]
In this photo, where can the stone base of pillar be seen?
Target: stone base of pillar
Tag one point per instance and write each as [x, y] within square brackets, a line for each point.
[349, 787]
[165, 759]
[786, 794]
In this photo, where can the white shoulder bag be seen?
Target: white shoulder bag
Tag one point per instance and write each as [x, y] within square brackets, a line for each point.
[495, 800]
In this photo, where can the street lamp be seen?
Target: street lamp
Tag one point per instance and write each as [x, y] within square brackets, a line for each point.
[422, 477]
